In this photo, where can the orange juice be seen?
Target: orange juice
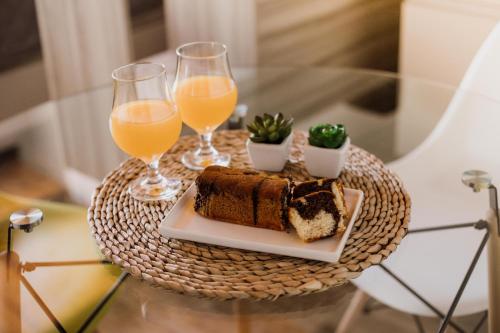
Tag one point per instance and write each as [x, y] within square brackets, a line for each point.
[205, 102]
[145, 129]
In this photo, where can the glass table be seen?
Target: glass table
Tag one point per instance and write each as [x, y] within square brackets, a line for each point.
[69, 140]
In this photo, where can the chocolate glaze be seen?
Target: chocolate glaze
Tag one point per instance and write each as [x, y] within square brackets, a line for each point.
[285, 196]
[305, 188]
[255, 200]
[204, 189]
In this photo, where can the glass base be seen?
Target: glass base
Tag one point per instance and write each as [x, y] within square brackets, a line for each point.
[164, 189]
[195, 161]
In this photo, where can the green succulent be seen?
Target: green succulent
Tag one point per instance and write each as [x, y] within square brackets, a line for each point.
[327, 136]
[269, 129]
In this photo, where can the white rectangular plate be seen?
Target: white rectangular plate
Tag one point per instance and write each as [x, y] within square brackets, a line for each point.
[184, 223]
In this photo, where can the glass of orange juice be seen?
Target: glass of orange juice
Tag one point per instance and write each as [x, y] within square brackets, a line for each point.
[205, 94]
[145, 123]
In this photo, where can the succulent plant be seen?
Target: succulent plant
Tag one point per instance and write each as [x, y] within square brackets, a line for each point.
[327, 136]
[269, 129]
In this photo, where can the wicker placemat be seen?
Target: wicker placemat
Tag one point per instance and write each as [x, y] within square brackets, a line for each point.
[126, 231]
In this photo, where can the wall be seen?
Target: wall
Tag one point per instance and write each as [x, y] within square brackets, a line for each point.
[352, 33]
[440, 37]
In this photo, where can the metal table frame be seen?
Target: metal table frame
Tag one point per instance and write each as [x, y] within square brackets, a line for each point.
[14, 278]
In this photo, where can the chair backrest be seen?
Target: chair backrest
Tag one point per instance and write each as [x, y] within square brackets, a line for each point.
[467, 137]
[475, 125]
[483, 75]
[469, 131]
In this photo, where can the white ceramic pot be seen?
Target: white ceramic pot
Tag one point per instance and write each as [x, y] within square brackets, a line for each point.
[326, 162]
[267, 156]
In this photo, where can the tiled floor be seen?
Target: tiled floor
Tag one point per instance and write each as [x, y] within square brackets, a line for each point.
[140, 308]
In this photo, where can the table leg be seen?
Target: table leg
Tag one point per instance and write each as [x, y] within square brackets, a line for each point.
[353, 311]
[241, 321]
[494, 274]
[10, 294]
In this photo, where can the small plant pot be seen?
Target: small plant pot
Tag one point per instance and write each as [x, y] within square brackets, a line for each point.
[326, 162]
[268, 156]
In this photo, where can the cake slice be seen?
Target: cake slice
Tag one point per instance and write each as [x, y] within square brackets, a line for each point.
[326, 184]
[317, 209]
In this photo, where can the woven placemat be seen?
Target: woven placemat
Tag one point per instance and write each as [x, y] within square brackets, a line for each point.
[126, 231]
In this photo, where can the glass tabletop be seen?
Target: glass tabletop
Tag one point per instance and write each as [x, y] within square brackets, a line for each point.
[69, 140]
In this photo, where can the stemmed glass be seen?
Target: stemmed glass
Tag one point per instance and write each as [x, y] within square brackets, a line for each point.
[145, 123]
[206, 95]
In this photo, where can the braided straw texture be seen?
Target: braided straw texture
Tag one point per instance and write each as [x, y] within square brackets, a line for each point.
[126, 231]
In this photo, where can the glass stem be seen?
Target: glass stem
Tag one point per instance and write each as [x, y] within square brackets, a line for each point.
[154, 176]
[206, 148]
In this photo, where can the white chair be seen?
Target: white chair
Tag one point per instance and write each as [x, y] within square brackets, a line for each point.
[434, 263]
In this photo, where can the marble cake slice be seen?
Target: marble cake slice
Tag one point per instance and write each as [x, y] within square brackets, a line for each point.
[317, 209]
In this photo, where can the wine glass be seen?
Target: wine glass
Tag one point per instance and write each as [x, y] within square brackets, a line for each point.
[206, 95]
[145, 123]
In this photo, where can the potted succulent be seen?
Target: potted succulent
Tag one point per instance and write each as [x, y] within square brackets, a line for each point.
[326, 151]
[269, 142]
